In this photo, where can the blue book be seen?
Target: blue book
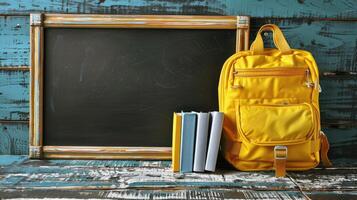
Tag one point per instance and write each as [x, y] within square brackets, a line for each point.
[188, 134]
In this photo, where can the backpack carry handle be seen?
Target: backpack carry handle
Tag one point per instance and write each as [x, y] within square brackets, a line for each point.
[278, 37]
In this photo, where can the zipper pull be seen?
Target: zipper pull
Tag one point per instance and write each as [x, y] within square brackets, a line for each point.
[308, 82]
[236, 86]
[233, 86]
[320, 90]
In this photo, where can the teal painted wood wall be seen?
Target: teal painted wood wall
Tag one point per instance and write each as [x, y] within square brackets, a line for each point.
[326, 28]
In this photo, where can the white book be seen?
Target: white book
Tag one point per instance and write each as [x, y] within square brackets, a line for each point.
[201, 142]
[214, 140]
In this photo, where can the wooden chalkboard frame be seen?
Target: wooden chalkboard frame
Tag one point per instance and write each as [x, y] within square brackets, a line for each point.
[39, 22]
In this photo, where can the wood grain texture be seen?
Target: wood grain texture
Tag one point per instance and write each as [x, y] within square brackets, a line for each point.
[342, 141]
[14, 95]
[326, 28]
[14, 41]
[36, 89]
[107, 21]
[13, 139]
[125, 194]
[332, 43]
[149, 175]
[145, 21]
[338, 101]
[120, 179]
[337, 9]
[92, 152]
[327, 180]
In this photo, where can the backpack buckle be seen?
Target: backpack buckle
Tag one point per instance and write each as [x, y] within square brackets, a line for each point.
[280, 156]
[280, 152]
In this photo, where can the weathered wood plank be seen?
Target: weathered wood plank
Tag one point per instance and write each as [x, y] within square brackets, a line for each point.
[339, 9]
[154, 180]
[338, 101]
[118, 179]
[13, 139]
[198, 194]
[333, 43]
[332, 195]
[342, 143]
[14, 95]
[12, 160]
[53, 174]
[326, 180]
[14, 40]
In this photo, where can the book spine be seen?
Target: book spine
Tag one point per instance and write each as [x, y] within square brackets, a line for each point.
[187, 141]
[176, 141]
[214, 140]
[201, 142]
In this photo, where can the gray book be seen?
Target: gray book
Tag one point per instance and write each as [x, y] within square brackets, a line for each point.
[214, 140]
[188, 132]
[201, 142]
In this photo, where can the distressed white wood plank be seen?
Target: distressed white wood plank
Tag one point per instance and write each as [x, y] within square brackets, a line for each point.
[97, 175]
[198, 194]
[327, 180]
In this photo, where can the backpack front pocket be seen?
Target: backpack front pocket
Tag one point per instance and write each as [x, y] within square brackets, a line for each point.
[274, 124]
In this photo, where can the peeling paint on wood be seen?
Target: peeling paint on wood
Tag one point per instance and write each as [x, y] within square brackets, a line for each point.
[11, 160]
[333, 44]
[197, 194]
[338, 102]
[343, 142]
[109, 175]
[13, 139]
[326, 28]
[14, 95]
[339, 9]
[328, 195]
[14, 40]
[327, 180]
[154, 180]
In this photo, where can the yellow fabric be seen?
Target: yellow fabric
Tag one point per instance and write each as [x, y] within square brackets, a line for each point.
[270, 97]
[176, 142]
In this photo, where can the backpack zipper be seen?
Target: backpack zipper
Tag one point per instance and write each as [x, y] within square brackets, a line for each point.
[277, 71]
[271, 72]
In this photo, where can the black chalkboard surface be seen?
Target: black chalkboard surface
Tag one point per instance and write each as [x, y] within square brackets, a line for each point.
[119, 87]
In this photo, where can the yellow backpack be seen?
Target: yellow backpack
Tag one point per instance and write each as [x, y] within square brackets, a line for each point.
[270, 98]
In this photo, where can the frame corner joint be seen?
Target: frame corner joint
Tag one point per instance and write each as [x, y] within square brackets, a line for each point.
[35, 152]
[243, 22]
[36, 19]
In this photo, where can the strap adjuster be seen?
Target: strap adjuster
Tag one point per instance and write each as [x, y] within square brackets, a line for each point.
[280, 157]
[280, 152]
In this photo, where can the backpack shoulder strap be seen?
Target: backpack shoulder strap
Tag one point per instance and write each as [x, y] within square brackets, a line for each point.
[325, 146]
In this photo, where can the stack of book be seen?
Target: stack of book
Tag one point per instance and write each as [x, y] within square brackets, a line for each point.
[195, 142]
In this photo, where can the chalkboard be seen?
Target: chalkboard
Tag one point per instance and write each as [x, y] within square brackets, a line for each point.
[120, 87]
[106, 86]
